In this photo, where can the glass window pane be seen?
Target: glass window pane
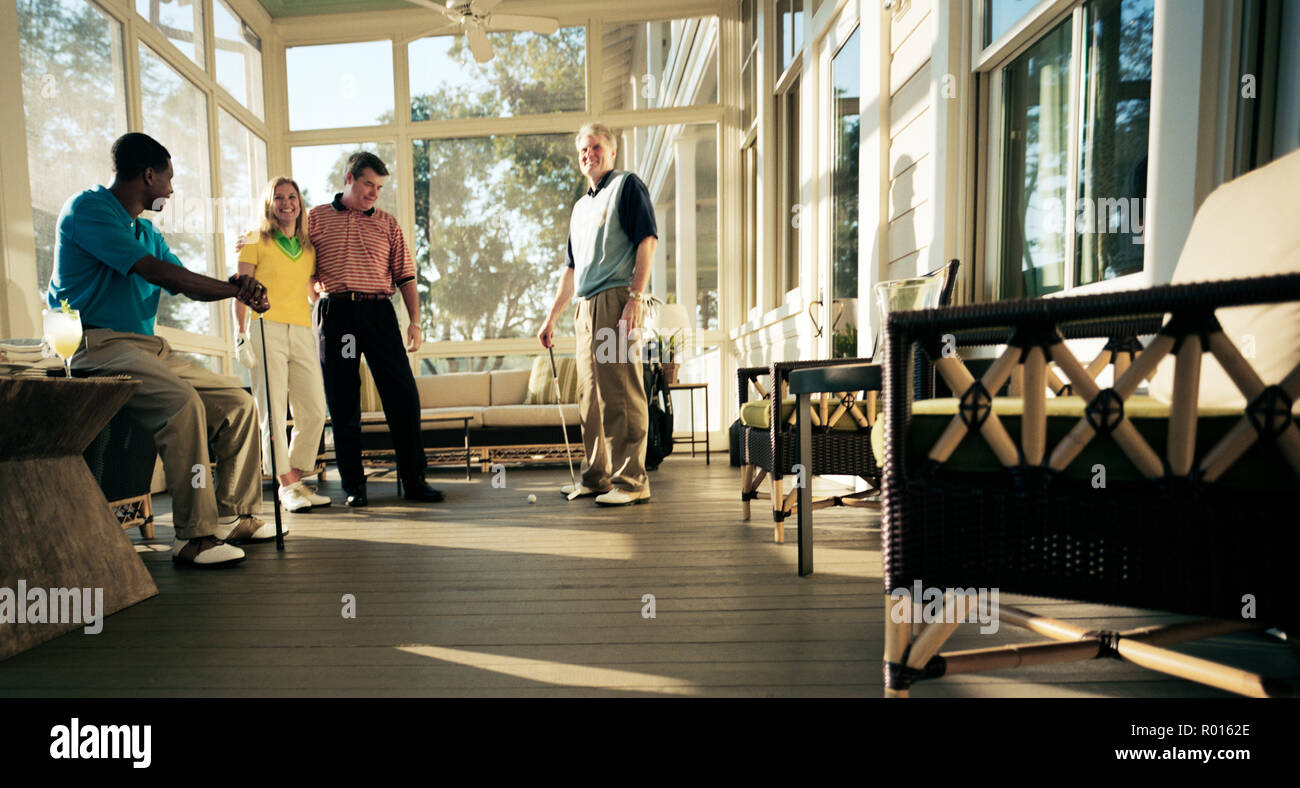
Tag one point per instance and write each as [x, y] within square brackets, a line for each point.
[680, 169]
[749, 237]
[74, 101]
[243, 176]
[491, 225]
[320, 170]
[845, 76]
[530, 74]
[176, 114]
[1001, 15]
[791, 189]
[444, 366]
[239, 58]
[1111, 210]
[340, 85]
[1035, 146]
[660, 64]
[180, 20]
[789, 31]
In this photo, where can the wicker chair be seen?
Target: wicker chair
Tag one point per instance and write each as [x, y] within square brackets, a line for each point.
[978, 498]
[771, 450]
[122, 458]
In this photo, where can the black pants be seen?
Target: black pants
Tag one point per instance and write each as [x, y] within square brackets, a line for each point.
[346, 330]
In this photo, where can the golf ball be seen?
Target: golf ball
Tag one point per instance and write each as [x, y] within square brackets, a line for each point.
[532, 498]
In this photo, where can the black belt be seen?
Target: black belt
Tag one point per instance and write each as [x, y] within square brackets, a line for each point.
[354, 296]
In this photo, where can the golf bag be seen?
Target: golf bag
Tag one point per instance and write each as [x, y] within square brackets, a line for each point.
[659, 438]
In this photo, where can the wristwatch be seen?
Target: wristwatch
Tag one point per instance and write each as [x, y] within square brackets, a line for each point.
[642, 297]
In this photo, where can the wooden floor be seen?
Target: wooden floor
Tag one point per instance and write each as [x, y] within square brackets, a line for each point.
[487, 595]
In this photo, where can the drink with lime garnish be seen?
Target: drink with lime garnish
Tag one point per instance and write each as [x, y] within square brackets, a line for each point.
[63, 333]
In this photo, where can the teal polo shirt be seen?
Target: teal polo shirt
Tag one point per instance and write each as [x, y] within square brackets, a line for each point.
[95, 245]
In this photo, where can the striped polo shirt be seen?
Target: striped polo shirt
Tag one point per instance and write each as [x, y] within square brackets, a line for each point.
[358, 251]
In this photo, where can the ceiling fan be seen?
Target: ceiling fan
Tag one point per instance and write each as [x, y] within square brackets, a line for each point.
[476, 20]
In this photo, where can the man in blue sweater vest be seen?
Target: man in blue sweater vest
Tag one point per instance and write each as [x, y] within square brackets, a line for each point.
[612, 238]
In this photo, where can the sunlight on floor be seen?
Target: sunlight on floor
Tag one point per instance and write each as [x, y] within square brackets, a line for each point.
[503, 538]
[557, 673]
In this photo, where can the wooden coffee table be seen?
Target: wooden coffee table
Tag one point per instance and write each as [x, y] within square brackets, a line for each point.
[463, 417]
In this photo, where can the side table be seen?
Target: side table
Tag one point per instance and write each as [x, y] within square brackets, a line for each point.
[692, 388]
[56, 530]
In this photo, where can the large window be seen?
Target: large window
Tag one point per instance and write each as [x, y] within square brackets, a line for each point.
[845, 94]
[239, 57]
[488, 202]
[243, 176]
[491, 222]
[1074, 113]
[74, 98]
[529, 74]
[340, 85]
[790, 218]
[680, 168]
[181, 22]
[176, 114]
[658, 64]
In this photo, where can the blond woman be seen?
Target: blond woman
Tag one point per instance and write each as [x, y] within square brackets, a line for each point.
[281, 255]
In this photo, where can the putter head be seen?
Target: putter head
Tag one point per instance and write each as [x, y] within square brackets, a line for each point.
[573, 495]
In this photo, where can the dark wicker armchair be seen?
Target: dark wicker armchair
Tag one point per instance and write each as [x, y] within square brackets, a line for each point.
[1106, 496]
[770, 449]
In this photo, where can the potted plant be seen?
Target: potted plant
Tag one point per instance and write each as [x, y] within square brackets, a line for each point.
[667, 346]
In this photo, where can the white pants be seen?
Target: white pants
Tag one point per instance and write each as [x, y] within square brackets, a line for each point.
[293, 365]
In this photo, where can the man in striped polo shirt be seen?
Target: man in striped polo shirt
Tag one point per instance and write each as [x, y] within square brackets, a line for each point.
[612, 238]
[361, 257]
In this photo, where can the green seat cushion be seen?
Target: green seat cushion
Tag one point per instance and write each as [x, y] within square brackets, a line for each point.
[1261, 467]
[758, 414]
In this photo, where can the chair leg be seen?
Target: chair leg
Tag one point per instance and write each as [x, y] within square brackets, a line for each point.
[778, 512]
[898, 636]
[146, 529]
[746, 487]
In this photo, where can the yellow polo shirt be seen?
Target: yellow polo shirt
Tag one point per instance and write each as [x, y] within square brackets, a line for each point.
[287, 281]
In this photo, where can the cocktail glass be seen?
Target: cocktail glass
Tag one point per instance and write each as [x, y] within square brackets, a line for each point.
[63, 334]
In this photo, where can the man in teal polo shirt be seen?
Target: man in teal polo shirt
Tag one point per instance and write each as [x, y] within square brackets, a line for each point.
[112, 266]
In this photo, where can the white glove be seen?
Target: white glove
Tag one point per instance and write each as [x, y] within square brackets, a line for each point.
[244, 351]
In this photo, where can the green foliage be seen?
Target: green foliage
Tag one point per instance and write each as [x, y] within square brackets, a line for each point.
[845, 342]
[667, 346]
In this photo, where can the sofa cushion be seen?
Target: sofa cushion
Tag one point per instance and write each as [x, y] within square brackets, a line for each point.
[541, 386]
[529, 415]
[510, 386]
[1246, 227]
[456, 389]
[373, 421]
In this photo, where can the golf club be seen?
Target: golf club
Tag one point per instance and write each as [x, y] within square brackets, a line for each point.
[559, 403]
[270, 424]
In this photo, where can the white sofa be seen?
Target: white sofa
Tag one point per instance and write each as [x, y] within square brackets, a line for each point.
[501, 428]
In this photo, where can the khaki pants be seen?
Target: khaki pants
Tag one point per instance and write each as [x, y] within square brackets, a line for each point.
[187, 407]
[611, 396]
[295, 376]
